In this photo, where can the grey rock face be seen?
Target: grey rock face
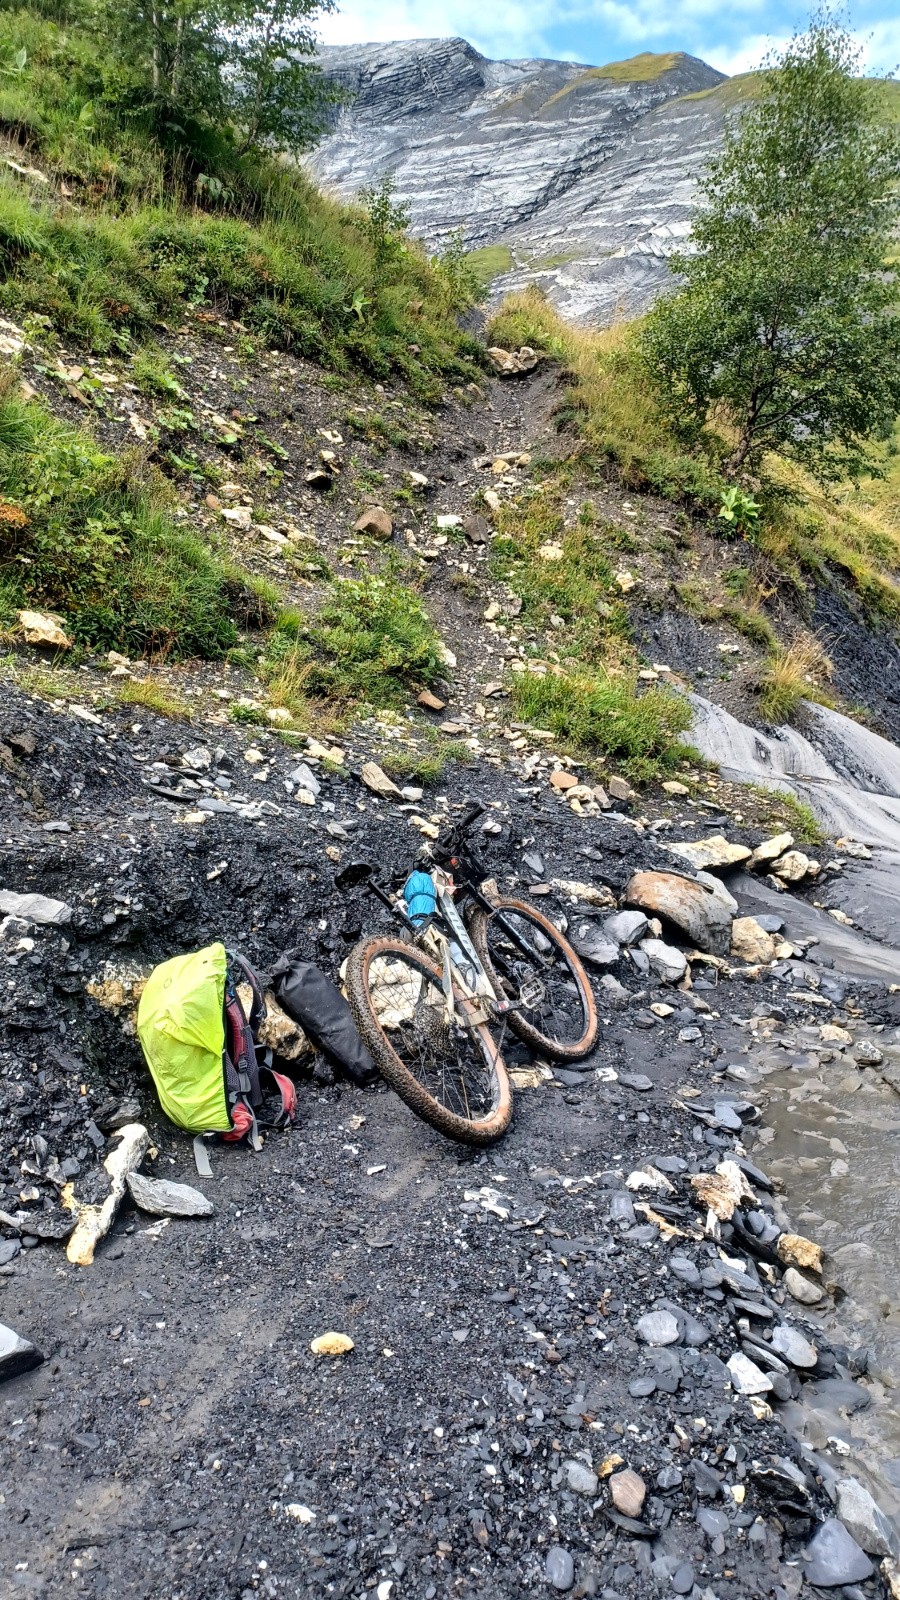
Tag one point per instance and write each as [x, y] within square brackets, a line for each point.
[834, 1558]
[586, 178]
[865, 1520]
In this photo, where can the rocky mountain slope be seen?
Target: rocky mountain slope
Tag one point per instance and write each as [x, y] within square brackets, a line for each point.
[583, 175]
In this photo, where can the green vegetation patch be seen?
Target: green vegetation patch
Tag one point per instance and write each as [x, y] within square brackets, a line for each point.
[560, 572]
[90, 535]
[490, 262]
[371, 643]
[647, 67]
[605, 716]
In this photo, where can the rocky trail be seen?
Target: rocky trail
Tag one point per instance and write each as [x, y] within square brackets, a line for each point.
[601, 1357]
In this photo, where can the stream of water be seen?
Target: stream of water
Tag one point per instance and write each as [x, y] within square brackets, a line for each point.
[834, 1130]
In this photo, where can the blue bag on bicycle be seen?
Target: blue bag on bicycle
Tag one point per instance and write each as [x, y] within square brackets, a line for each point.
[418, 892]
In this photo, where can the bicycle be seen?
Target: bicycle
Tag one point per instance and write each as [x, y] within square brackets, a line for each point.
[427, 1003]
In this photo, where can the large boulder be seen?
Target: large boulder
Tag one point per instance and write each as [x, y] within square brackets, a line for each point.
[691, 906]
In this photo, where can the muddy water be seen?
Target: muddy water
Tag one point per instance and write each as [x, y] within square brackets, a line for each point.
[831, 1135]
[831, 1130]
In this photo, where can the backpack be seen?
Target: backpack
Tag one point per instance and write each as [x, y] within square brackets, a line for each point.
[200, 1046]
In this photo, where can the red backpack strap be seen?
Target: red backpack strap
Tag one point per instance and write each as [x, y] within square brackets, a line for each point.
[287, 1093]
[241, 1058]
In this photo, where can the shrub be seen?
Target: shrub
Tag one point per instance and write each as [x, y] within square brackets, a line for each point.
[371, 642]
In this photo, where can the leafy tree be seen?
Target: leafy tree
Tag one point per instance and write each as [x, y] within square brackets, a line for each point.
[241, 65]
[385, 222]
[786, 319]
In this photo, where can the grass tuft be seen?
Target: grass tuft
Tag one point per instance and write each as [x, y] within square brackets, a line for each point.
[792, 677]
[371, 643]
[154, 697]
[605, 716]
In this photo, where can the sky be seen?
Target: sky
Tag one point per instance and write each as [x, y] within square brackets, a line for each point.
[733, 35]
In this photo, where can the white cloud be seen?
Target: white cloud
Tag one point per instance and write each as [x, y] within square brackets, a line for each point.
[611, 28]
[732, 39]
[880, 45]
[509, 29]
[745, 57]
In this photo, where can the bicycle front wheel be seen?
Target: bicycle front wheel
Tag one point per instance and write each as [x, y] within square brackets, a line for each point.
[446, 1067]
[528, 960]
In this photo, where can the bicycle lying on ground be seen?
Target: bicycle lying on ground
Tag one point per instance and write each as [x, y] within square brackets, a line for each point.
[434, 1002]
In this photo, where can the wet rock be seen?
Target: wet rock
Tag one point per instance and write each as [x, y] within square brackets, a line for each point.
[615, 993]
[690, 906]
[837, 1394]
[375, 521]
[716, 851]
[640, 1388]
[770, 850]
[864, 1519]
[16, 1354]
[694, 1333]
[628, 1492]
[164, 1199]
[667, 963]
[597, 952]
[792, 867]
[559, 1568]
[715, 1524]
[833, 1557]
[750, 942]
[795, 1251]
[658, 1328]
[800, 1288]
[791, 1344]
[746, 1376]
[580, 1478]
[636, 1080]
[35, 908]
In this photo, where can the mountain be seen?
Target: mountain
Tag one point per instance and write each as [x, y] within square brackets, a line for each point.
[577, 177]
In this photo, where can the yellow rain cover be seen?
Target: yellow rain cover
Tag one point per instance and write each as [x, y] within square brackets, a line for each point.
[182, 1033]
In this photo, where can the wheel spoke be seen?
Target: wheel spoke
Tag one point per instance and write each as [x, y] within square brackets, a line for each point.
[444, 1055]
[550, 1000]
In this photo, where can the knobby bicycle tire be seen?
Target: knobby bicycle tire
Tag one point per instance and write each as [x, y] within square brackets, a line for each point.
[479, 1131]
[572, 1050]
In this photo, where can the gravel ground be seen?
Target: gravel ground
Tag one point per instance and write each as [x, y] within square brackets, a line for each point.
[182, 1441]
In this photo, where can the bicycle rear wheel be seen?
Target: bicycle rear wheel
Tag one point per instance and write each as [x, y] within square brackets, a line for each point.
[557, 1013]
[447, 1069]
